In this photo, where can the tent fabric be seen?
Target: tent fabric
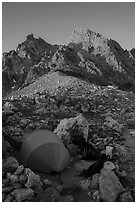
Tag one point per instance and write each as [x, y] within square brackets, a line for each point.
[44, 151]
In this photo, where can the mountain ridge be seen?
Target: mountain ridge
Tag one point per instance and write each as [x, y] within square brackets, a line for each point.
[89, 55]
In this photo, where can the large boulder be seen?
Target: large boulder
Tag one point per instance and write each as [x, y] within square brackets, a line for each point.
[109, 185]
[73, 130]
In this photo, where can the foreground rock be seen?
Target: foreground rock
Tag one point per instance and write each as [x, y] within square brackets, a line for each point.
[10, 164]
[33, 180]
[23, 194]
[108, 165]
[73, 130]
[109, 186]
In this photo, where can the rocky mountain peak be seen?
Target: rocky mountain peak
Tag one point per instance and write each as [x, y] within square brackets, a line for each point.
[97, 44]
[88, 38]
[32, 48]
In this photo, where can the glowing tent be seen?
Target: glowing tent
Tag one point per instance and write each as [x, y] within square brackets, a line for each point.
[44, 151]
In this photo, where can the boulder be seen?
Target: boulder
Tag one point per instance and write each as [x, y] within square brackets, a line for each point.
[73, 130]
[47, 183]
[109, 186]
[81, 165]
[17, 185]
[109, 151]
[23, 178]
[19, 170]
[126, 197]
[85, 184]
[10, 164]
[33, 180]
[8, 175]
[24, 122]
[23, 194]
[109, 165]
[8, 198]
[7, 189]
[14, 179]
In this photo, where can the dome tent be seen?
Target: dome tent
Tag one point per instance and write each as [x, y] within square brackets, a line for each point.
[44, 151]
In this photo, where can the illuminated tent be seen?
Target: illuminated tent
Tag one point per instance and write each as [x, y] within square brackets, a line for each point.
[44, 151]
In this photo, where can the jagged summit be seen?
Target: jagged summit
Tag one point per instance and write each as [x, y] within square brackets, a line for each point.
[32, 48]
[86, 35]
[95, 43]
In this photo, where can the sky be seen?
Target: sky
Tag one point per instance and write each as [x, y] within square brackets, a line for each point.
[55, 21]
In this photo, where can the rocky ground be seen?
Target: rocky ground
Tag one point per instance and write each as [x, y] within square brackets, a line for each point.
[74, 109]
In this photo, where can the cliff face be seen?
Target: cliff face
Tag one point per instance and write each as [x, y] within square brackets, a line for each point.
[89, 56]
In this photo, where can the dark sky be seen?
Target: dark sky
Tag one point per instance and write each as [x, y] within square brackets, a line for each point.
[55, 21]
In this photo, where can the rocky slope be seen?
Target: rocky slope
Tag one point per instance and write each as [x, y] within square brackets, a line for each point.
[77, 92]
[55, 103]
